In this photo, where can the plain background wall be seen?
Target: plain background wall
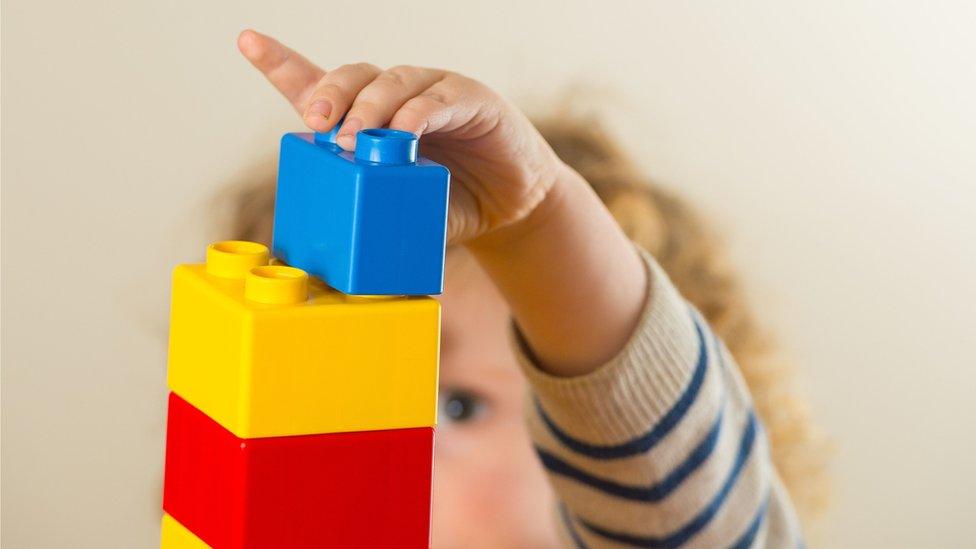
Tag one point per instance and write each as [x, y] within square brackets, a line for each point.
[834, 142]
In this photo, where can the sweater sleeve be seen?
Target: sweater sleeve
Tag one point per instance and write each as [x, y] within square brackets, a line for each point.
[660, 447]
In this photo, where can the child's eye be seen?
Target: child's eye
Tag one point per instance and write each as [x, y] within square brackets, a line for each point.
[457, 406]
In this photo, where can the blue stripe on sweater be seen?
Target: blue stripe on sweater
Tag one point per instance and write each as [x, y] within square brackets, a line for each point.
[646, 441]
[698, 523]
[648, 494]
[749, 536]
[716, 342]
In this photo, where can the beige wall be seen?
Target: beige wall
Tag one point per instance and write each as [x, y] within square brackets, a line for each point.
[834, 142]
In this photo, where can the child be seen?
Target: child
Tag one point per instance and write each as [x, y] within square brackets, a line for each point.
[638, 414]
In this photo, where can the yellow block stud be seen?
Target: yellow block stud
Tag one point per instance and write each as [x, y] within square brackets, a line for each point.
[276, 284]
[265, 350]
[234, 258]
[176, 536]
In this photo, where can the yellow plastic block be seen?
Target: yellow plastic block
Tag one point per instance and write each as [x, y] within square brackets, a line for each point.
[176, 536]
[267, 351]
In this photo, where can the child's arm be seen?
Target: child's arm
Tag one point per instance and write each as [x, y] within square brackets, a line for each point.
[647, 433]
[575, 283]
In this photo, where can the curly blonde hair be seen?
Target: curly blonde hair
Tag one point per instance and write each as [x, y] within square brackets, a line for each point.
[691, 255]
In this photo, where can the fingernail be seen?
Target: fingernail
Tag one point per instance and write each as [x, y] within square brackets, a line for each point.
[317, 115]
[347, 134]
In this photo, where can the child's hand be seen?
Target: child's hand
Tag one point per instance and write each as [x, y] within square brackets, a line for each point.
[501, 168]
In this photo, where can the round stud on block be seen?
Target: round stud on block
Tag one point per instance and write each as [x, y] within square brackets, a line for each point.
[385, 146]
[276, 284]
[234, 258]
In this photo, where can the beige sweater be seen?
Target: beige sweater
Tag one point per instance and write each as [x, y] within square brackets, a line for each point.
[660, 447]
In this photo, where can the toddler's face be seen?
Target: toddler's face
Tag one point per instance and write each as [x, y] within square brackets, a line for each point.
[489, 490]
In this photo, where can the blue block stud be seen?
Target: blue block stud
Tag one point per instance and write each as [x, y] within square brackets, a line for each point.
[373, 222]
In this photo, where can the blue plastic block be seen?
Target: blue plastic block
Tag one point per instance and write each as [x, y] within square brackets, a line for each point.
[370, 223]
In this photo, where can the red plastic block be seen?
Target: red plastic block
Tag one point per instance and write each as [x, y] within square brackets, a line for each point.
[361, 489]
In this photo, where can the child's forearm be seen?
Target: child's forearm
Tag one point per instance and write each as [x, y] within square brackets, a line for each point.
[575, 283]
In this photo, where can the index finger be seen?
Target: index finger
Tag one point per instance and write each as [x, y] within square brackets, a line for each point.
[293, 75]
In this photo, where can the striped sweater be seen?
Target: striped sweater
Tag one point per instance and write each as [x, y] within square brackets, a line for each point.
[661, 446]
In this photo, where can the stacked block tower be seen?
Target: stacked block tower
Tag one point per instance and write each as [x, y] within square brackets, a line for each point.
[304, 388]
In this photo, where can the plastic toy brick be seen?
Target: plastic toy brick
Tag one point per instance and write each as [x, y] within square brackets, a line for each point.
[372, 222]
[267, 351]
[366, 489]
[176, 536]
